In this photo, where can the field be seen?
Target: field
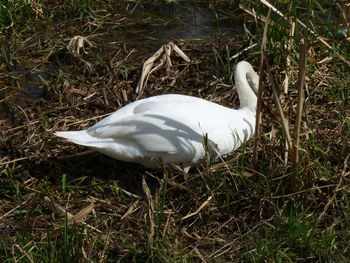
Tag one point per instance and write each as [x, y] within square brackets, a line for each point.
[284, 196]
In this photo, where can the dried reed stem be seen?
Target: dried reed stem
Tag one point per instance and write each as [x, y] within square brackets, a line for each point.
[204, 204]
[318, 38]
[301, 97]
[260, 90]
[150, 213]
[278, 103]
[288, 60]
[308, 29]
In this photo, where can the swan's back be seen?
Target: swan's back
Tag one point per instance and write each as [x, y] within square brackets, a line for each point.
[167, 127]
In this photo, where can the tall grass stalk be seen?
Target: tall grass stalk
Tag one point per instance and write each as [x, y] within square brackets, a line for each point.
[260, 89]
[284, 120]
[301, 97]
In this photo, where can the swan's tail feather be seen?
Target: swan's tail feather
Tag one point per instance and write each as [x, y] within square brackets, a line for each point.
[79, 137]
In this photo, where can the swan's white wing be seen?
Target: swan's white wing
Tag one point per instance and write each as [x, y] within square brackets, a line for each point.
[154, 127]
[176, 127]
[139, 106]
[148, 106]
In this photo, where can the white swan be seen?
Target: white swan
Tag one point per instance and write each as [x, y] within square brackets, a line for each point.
[172, 128]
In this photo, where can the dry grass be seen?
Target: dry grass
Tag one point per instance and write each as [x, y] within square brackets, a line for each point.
[59, 206]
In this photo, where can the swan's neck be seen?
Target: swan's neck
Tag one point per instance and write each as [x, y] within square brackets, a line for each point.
[247, 97]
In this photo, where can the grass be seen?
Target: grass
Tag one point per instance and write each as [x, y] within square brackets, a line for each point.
[55, 207]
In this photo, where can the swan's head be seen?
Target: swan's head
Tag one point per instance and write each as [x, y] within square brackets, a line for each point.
[247, 83]
[246, 71]
[253, 80]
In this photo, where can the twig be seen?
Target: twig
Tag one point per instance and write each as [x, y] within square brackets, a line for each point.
[89, 119]
[25, 254]
[302, 191]
[82, 214]
[63, 210]
[29, 127]
[65, 157]
[336, 189]
[252, 13]
[132, 208]
[224, 248]
[13, 161]
[73, 123]
[18, 206]
[243, 50]
[198, 210]
[196, 250]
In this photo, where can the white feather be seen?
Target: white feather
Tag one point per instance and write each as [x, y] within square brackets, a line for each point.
[171, 128]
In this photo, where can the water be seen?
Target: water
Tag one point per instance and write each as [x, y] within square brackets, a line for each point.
[28, 82]
[184, 20]
[156, 23]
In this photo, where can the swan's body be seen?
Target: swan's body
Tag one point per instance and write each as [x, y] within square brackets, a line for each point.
[172, 128]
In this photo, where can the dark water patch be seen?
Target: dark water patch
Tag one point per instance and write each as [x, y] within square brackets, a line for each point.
[152, 23]
[26, 83]
[185, 20]
[21, 87]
